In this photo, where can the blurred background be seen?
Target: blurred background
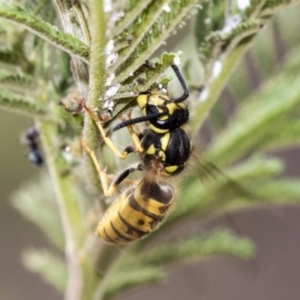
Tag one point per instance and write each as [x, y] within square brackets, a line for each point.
[273, 274]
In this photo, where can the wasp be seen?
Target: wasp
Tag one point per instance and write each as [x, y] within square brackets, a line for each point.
[164, 147]
[31, 140]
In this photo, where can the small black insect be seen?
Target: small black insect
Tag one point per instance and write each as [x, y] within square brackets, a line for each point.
[34, 154]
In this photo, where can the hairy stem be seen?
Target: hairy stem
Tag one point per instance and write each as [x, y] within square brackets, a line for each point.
[96, 85]
[70, 213]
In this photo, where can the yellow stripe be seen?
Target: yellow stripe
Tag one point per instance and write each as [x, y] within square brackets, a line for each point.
[155, 100]
[145, 215]
[104, 227]
[136, 218]
[151, 150]
[165, 141]
[112, 222]
[171, 169]
[142, 100]
[171, 107]
[157, 130]
[150, 204]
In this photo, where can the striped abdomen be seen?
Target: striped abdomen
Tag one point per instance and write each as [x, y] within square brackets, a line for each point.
[136, 212]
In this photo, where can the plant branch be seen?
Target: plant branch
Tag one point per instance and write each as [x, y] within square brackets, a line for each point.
[72, 221]
[96, 86]
[20, 104]
[153, 37]
[44, 30]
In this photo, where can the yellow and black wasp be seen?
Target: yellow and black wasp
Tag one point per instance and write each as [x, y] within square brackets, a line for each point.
[164, 147]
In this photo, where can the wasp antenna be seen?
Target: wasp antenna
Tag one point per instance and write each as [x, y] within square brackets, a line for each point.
[183, 84]
[138, 120]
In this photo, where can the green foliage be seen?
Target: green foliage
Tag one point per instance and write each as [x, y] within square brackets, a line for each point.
[150, 29]
[41, 208]
[21, 104]
[249, 129]
[109, 56]
[146, 266]
[218, 242]
[51, 267]
[15, 81]
[44, 30]
[130, 277]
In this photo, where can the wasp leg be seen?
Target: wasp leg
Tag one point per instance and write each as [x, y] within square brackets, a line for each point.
[121, 177]
[102, 173]
[136, 141]
[183, 85]
[109, 142]
[127, 181]
[108, 190]
[106, 139]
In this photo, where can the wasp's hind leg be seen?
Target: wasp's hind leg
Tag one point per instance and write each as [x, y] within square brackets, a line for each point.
[121, 177]
[102, 172]
[108, 189]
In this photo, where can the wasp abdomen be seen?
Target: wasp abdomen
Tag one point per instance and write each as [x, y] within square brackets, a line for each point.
[136, 212]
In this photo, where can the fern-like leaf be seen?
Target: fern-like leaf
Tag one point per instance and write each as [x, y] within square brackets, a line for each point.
[20, 104]
[153, 36]
[50, 266]
[44, 30]
[36, 201]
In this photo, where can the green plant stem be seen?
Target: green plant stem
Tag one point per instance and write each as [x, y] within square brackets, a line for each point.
[96, 86]
[108, 259]
[82, 276]
[70, 214]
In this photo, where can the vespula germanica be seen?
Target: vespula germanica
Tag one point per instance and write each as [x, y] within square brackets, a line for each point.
[164, 147]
